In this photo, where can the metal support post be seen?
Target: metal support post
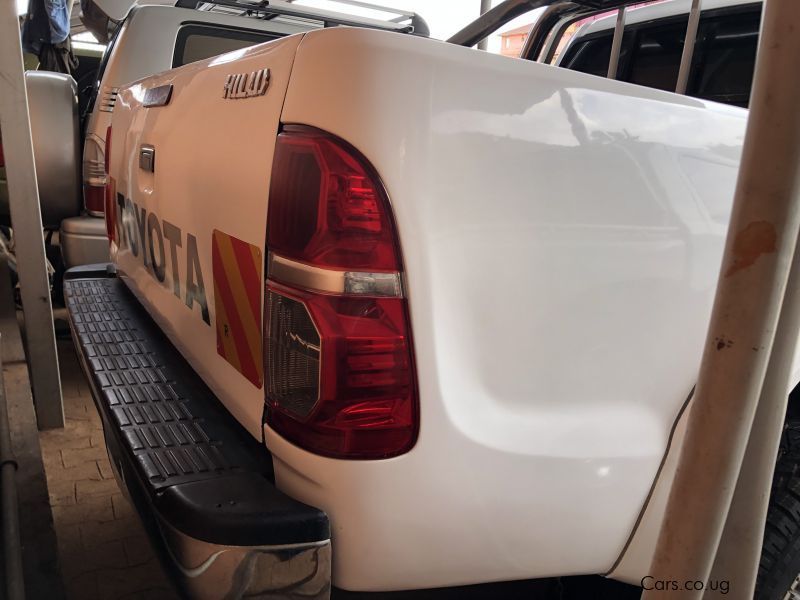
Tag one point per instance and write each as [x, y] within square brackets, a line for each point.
[493, 19]
[761, 243]
[485, 6]
[739, 549]
[536, 44]
[616, 43]
[26, 218]
[688, 48]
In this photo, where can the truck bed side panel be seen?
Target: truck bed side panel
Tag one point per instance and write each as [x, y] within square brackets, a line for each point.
[212, 159]
[562, 236]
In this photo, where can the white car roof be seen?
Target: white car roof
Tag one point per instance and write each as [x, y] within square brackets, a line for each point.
[660, 10]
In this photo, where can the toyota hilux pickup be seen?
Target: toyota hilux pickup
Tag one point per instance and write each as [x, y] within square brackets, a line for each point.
[391, 313]
[146, 38]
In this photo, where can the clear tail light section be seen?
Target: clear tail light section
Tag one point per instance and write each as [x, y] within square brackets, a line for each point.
[94, 174]
[337, 340]
[294, 345]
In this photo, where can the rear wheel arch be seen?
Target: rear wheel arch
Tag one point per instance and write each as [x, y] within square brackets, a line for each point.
[779, 567]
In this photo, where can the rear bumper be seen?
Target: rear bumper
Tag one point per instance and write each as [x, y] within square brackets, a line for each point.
[203, 487]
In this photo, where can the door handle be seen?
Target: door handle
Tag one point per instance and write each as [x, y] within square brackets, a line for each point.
[147, 158]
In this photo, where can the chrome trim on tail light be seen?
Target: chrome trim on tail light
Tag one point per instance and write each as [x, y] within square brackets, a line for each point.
[353, 283]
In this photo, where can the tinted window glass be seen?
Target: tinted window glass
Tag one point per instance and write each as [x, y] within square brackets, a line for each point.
[196, 42]
[723, 62]
[590, 56]
[657, 56]
[728, 58]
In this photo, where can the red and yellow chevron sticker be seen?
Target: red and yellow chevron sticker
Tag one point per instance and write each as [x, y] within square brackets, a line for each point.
[238, 280]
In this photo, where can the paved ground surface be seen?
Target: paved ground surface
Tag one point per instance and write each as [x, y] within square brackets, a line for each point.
[39, 553]
[103, 550]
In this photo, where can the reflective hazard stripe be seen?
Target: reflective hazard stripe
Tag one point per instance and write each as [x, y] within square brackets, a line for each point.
[237, 268]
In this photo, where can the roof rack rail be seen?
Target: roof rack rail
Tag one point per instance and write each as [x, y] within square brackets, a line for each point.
[403, 22]
[501, 14]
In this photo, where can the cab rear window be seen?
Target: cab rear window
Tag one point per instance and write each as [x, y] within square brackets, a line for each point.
[722, 66]
[591, 56]
[196, 42]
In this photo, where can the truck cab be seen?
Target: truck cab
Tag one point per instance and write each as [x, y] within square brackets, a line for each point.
[151, 38]
[148, 39]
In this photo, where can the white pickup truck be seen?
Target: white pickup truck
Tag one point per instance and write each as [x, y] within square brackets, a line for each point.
[426, 315]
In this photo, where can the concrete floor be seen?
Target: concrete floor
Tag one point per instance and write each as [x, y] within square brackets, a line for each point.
[39, 548]
[103, 551]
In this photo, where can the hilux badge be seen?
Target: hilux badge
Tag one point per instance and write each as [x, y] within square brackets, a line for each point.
[246, 85]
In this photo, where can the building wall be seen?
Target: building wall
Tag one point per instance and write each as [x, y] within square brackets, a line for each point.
[512, 44]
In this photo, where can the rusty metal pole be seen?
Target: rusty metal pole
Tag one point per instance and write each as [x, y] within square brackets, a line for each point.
[616, 43]
[761, 242]
[739, 549]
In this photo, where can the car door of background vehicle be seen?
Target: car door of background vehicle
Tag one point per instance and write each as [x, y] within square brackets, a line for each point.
[722, 66]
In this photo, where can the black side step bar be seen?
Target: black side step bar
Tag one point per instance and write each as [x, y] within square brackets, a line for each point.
[204, 480]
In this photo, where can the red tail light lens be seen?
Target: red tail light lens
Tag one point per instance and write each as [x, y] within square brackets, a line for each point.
[109, 191]
[346, 389]
[94, 197]
[2, 157]
[107, 153]
[326, 206]
[340, 374]
[95, 169]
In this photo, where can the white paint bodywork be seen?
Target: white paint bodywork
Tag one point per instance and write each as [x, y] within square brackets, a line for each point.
[145, 46]
[185, 190]
[561, 236]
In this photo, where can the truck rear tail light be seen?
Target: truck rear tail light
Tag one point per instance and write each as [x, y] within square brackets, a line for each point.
[2, 157]
[94, 174]
[326, 206]
[93, 196]
[109, 200]
[338, 358]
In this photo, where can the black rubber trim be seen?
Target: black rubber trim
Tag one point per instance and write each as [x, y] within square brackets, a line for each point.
[201, 471]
